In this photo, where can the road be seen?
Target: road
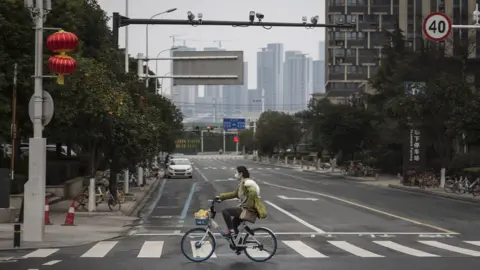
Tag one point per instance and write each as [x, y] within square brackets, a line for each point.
[319, 221]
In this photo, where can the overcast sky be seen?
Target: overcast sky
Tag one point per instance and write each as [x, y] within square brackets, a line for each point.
[248, 39]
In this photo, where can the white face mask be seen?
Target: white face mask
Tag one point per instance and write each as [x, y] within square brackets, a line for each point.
[237, 176]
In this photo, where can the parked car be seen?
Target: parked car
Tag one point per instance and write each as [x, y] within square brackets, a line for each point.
[179, 167]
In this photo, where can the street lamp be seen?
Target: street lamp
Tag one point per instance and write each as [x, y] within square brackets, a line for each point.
[156, 66]
[146, 38]
[34, 195]
[161, 82]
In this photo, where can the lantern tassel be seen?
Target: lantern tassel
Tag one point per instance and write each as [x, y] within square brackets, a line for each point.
[60, 79]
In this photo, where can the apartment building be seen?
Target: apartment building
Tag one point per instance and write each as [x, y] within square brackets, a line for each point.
[352, 56]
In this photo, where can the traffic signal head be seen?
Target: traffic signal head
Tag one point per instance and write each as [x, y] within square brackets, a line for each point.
[209, 127]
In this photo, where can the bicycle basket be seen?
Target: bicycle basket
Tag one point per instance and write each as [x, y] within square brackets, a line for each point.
[201, 217]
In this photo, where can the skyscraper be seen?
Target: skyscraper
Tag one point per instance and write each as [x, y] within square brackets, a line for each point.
[270, 75]
[213, 94]
[318, 76]
[184, 96]
[321, 50]
[298, 83]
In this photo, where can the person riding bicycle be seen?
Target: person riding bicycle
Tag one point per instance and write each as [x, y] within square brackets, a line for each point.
[250, 207]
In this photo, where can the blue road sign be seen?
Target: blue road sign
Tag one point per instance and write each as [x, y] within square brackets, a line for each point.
[233, 123]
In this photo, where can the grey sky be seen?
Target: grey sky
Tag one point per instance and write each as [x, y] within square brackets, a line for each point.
[248, 39]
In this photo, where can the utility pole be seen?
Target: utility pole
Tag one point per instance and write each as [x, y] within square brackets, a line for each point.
[127, 60]
[215, 110]
[34, 194]
[14, 121]
[263, 100]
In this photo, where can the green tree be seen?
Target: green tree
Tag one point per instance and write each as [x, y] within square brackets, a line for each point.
[247, 139]
[276, 131]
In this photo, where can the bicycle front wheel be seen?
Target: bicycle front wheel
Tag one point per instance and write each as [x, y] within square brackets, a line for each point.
[257, 249]
[200, 243]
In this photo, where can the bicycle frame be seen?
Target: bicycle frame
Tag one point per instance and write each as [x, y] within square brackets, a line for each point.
[213, 224]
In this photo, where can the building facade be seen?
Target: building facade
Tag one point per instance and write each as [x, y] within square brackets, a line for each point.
[298, 81]
[352, 56]
[270, 75]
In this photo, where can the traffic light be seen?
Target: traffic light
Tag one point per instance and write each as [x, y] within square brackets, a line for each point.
[209, 128]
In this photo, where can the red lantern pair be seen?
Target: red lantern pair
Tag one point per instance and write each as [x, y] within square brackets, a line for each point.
[62, 42]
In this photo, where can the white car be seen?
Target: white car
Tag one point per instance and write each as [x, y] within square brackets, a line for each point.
[179, 167]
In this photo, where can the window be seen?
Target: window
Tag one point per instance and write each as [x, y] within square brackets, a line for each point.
[351, 2]
[340, 2]
[339, 35]
[352, 69]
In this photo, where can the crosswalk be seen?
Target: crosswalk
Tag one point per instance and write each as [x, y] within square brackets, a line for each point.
[305, 248]
[233, 168]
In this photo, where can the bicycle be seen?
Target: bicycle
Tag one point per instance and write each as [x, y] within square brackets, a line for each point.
[101, 194]
[241, 243]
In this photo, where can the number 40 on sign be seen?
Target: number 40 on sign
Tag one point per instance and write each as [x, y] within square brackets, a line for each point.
[437, 26]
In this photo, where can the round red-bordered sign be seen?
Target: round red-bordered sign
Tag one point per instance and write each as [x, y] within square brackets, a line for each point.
[437, 26]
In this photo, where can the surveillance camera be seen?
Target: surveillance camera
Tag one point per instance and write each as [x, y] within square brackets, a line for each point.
[251, 17]
[200, 16]
[304, 19]
[190, 16]
[314, 20]
[260, 16]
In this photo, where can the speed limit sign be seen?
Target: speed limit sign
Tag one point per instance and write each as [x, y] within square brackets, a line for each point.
[437, 26]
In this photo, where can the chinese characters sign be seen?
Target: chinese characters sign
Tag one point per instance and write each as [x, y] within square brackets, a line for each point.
[414, 145]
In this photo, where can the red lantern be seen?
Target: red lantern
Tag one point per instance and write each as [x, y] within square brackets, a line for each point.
[62, 64]
[62, 42]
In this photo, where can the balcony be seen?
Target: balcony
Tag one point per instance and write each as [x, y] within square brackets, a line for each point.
[336, 76]
[358, 43]
[336, 43]
[379, 8]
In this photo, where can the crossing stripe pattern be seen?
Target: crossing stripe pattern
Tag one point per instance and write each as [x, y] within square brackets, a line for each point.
[156, 249]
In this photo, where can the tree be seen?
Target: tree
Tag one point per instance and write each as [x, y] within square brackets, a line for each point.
[247, 139]
[275, 131]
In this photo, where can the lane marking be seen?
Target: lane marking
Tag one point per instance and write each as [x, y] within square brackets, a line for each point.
[299, 220]
[179, 233]
[203, 251]
[476, 243]
[188, 201]
[452, 248]
[157, 199]
[304, 250]
[360, 252]
[41, 253]
[365, 207]
[151, 249]
[404, 249]
[52, 262]
[202, 175]
[99, 250]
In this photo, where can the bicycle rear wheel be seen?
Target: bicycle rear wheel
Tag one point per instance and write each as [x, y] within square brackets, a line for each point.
[113, 204]
[256, 250]
[202, 248]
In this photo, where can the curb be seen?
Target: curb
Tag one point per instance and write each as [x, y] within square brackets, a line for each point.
[133, 211]
[359, 179]
[436, 194]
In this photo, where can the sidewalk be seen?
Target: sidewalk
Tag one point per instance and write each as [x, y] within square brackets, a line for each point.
[90, 227]
[439, 192]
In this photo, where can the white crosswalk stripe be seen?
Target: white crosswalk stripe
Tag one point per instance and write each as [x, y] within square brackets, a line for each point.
[309, 249]
[99, 250]
[151, 249]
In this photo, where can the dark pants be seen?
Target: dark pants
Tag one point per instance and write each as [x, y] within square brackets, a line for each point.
[232, 217]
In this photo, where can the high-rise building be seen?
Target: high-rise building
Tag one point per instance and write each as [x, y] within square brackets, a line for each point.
[254, 100]
[213, 95]
[321, 50]
[298, 81]
[235, 96]
[184, 96]
[352, 56]
[270, 75]
[318, 76]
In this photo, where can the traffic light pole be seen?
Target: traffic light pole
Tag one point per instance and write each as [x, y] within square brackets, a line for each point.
[121, 21]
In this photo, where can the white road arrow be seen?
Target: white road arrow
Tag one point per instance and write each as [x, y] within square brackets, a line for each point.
[297, 199]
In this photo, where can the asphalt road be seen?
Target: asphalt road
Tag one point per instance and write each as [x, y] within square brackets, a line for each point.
[320, 222]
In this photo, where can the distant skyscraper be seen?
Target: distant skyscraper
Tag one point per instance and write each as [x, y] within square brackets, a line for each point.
[254, 100]
[298, 83]
[318, 76]
[321, 50]
[184, 96]
[270, 75]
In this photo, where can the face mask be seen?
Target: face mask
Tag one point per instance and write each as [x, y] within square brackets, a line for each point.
[237, 176]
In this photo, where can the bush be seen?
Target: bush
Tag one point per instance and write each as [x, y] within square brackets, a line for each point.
[462, 161]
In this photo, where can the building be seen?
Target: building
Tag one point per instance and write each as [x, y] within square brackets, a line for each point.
[298, 81]
[213, 96]
[270, 75]
[184, 96]
[318, 74]
[353, 56]
[321, 50]
[254, 100]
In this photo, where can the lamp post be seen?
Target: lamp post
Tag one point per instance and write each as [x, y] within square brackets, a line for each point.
[34, 194]
[127, 60]
[146, 39]
[161, 82]
[156, 66]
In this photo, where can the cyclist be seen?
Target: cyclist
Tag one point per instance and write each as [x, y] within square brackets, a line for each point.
[250, 206]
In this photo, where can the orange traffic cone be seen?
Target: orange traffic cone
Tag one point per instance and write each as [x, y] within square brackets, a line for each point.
[69, 219]
[47, 213]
